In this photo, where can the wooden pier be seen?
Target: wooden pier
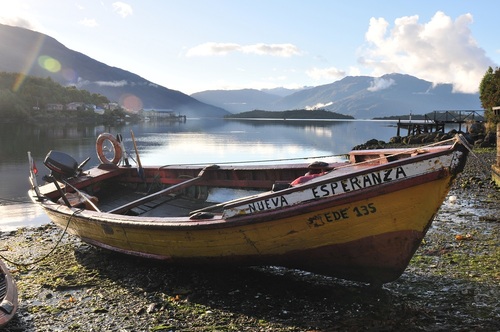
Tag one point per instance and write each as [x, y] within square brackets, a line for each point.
[438, 121]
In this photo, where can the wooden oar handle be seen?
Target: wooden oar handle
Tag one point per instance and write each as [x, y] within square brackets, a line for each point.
[171, 189]
[135, 148]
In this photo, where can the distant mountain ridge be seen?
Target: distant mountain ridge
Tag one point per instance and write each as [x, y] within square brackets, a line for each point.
[237, 101]
[36, 54]
[363, 97]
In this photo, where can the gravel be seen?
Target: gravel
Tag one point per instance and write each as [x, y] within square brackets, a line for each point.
[452, 283]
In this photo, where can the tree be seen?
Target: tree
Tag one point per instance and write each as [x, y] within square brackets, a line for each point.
[489, 94]
[11, 106]
[37, 92]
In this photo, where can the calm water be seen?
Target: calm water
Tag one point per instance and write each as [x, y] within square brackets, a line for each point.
[199, 141]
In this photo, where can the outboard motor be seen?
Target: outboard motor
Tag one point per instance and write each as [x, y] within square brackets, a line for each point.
[63, 165]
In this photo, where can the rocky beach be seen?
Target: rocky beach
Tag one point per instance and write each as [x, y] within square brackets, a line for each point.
[451, 284]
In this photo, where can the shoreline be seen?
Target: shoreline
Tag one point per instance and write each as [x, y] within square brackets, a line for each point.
[452, 283]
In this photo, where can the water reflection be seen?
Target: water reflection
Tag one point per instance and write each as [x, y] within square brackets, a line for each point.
[15, 216]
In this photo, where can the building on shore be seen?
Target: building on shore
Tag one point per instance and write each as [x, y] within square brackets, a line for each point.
[162, 115]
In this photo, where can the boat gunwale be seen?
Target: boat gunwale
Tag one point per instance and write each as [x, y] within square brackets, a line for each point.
[342, 199]
[359, 170]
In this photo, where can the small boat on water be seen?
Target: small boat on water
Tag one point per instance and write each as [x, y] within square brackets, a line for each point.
[360, 219]
[8, 295]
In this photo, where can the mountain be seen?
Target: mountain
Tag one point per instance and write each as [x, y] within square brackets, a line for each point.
[237, 101]
[36, 54]
[363, 97]
[283, 92]
[393, 94]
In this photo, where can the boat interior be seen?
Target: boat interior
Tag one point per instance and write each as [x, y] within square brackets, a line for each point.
[196, 191]
[167, 191]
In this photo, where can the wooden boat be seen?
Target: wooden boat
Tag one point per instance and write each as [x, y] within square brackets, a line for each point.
[8, 295]
[362, 219]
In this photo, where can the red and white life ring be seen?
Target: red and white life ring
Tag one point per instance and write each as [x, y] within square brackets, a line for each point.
[116, 147]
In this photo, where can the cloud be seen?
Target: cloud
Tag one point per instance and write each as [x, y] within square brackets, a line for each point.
[209, 49]
[89, 22]
[122, 9]
[18, 22]
[318, 106]
[280, 50]
[440, 51]
[380, 83]
[115, 84]
[326, 73]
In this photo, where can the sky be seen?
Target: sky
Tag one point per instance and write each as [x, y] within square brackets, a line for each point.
[198, 45]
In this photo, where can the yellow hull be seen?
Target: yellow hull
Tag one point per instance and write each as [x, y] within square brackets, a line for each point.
[390, 226]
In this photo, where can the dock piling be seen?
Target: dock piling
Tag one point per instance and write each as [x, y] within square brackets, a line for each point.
[438, 121]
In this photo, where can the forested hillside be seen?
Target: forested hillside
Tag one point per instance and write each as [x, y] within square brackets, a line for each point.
[26, 96]
[21, 46]
[292, 114]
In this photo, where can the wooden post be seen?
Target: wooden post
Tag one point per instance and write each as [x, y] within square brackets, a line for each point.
[496, 111]
[495, 169]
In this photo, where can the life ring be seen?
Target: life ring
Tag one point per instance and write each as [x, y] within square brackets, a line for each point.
[116, 147]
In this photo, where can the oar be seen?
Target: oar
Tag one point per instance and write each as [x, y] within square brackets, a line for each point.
[119, 137]
[223, 204]
[64, 198]
[140, 170]
[173, 188]
[82, 195]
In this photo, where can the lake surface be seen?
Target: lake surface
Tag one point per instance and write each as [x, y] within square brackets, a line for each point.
[197, 141]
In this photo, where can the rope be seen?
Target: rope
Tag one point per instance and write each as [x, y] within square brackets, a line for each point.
[404, 151]
[481, 160]
[468, 147]
[256, 161]
[303, 158]
[25, 265]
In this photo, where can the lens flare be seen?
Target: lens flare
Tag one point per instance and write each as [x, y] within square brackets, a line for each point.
[49, 63]
[31, 58]
[131, 102]
[18, 82]
[70, 75]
